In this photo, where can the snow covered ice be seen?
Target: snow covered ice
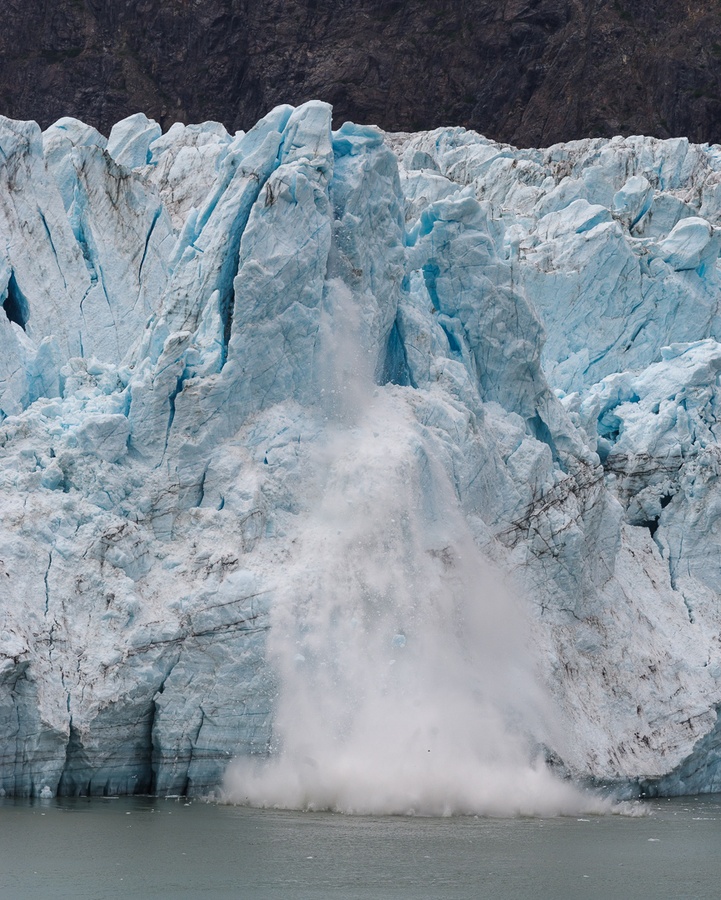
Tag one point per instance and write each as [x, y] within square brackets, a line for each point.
[236, 366]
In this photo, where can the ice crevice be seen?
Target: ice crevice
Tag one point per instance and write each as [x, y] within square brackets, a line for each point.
[14, 304]
[47, 586]
[154, 222]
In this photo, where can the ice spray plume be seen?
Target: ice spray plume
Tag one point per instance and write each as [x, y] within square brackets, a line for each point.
[406, 683]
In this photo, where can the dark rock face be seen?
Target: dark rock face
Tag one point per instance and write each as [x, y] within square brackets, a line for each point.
[531, 72]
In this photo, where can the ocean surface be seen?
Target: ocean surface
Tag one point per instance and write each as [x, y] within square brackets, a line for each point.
[150, 847]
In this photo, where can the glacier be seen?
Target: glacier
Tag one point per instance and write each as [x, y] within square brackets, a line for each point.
[185, 318]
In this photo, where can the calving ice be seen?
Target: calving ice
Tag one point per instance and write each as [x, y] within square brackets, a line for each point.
[383, 465]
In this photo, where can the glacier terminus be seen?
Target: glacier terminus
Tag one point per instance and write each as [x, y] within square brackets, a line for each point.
[425, 377]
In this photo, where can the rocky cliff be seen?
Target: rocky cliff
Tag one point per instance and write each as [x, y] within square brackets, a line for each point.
[531, 72]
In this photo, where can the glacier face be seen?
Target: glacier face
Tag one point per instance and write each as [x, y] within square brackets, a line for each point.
[175, 351]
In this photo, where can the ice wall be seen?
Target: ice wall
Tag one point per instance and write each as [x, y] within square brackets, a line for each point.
[176, 355]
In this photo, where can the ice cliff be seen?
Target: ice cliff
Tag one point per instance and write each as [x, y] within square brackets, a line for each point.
[183, 315]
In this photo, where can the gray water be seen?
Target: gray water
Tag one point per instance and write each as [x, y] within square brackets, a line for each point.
[148, 847]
